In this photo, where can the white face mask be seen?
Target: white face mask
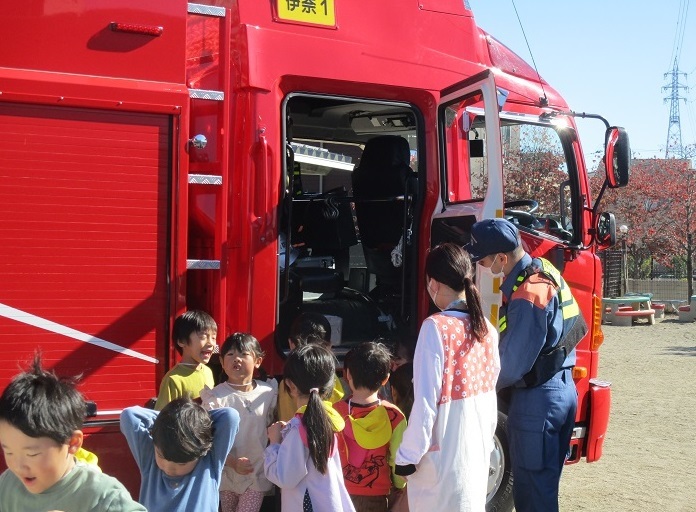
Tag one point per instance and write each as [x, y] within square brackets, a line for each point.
[488, 271]
[433, 295]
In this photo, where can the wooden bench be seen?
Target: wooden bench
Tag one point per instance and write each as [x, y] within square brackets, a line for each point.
[685, 314]
[625, 318]
[659, 309]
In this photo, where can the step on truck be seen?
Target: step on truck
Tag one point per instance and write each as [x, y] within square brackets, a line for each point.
[261, 158]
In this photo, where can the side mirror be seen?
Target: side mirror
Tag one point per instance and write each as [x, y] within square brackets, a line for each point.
[617, 157]
[605, 230]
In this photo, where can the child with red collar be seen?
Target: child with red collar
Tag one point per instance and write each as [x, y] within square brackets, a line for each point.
[373, 430]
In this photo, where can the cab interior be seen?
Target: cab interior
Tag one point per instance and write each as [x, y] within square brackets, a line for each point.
[350, 199]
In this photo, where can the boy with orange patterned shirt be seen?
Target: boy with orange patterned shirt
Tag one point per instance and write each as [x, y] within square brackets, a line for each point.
[373, 431]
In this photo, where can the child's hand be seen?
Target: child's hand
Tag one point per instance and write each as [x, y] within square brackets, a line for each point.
[243, 466]
[274, 432]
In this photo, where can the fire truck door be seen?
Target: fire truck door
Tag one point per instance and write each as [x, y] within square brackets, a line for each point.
[471, 166]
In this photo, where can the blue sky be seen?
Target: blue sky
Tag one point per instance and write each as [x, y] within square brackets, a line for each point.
[606, 57]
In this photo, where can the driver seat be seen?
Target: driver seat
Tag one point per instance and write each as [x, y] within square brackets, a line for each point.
[382, 175]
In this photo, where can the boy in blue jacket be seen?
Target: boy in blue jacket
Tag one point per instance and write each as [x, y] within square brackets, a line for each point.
[181, 452]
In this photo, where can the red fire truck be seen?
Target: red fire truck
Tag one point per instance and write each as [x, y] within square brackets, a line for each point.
[262, 158]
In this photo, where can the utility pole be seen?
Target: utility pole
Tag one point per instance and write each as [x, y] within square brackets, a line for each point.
[623, 228]
[674, 148]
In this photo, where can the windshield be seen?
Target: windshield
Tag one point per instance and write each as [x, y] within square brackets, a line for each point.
[535, 173]
[538, 176]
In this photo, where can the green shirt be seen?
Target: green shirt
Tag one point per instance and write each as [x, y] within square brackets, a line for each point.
[84, 489]
[182, 380]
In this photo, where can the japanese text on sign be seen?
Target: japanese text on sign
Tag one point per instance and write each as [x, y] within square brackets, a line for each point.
[316, 12]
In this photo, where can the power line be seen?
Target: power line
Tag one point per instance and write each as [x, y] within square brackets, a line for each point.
[681, 27]
[543, 100]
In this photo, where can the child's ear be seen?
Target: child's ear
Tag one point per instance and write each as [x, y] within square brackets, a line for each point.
[257, 363]
[292, 389]
[384, 382]
[75, 442]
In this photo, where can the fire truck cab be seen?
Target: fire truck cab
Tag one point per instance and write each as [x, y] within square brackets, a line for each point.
[262, 158]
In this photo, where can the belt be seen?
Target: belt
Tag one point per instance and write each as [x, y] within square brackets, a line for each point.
[565, 374]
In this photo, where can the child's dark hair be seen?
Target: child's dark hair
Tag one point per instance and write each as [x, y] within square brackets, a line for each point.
[41, 404]
[183, 431]
[188, 323]
[450, 264]
[401, 381]
[369, 365]
[312, 369]
[241, 342]
[403, 349]
[310, 327]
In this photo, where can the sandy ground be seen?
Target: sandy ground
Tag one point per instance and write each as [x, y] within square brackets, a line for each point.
[649, 459]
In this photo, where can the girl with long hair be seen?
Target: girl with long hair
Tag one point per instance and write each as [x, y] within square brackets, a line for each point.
[447, 445]
[302, 457]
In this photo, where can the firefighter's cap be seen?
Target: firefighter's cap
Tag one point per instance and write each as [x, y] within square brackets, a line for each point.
[492, 236]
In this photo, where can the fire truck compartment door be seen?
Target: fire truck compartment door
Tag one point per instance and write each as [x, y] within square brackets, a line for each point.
[84, 222]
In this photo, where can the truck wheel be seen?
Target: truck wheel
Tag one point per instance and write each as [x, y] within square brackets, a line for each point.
[499, 497]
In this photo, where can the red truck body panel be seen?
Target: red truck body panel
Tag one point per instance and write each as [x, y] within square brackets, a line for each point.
[101, 213]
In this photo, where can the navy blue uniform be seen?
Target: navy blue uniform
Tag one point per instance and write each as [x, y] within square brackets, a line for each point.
[540, 418]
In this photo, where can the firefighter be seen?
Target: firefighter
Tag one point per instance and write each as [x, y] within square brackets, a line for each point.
[538, 315]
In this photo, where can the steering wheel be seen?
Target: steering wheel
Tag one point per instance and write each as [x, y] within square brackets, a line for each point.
[523, 218]
[532, 204]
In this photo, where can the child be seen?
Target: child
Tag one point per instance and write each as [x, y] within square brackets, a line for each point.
[373, 429]
[307, 328]
[308, 325]
[402, 354]
[83, 455]
[401, 382]
[243, 483]
[41, 418]
[401, 385]
[302, 457]
[194, 335]
[180, 452]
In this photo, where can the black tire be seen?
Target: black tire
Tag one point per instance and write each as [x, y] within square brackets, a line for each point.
[500, 474]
